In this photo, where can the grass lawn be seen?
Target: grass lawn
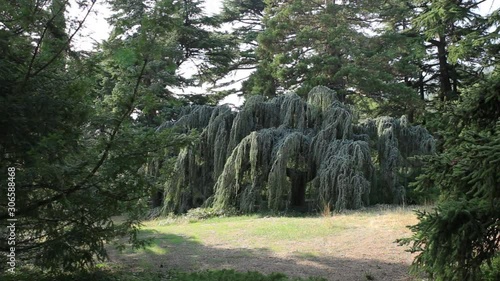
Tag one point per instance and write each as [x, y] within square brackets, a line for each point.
[357, 245]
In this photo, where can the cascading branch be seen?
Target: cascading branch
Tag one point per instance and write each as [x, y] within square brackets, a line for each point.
[395, 142]
[288, 153]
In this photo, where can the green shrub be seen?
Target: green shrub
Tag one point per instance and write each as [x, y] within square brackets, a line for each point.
[197, 214]
[491, 273]
[231, 275]
[27, 274]
[107, 274]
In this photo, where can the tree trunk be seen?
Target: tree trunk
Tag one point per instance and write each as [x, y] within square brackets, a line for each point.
[421, 86]
[444, 69]
[299, 180]
[157, 199]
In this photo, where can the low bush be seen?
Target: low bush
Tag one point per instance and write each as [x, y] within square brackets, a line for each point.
[106, 274]
[491, 272]
[231, 275]
[197, 214]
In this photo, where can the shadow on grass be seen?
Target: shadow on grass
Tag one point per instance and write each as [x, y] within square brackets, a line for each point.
[175, 252]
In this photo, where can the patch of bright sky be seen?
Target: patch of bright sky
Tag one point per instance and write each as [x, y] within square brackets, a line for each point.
[96, 29]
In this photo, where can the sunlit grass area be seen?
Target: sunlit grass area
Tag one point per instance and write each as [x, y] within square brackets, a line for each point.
[254, 228]
[251, 229]
[297, 245]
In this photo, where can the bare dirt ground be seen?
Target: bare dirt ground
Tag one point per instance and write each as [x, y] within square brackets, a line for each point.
[360, 247]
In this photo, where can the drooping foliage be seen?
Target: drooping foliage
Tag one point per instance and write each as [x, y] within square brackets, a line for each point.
[396, 142]
[287, 152]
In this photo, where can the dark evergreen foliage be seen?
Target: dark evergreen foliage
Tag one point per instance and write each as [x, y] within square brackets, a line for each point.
[462, 234]
[79, 156]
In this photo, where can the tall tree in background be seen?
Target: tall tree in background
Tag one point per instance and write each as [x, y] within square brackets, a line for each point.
[399, 52]
[306, 43]
[404, 61]
[185, 40]
[192, 44]
[245, 18]
[446, 25]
